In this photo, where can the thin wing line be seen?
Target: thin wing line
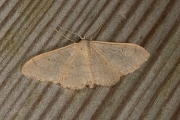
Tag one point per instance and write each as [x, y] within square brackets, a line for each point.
[102, 56]
[103, 71]
[79, 73]
[70, 65]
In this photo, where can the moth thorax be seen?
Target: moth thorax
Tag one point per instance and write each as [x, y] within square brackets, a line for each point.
[84, 46]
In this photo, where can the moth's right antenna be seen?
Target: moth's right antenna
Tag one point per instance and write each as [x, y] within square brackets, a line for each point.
[97, 31]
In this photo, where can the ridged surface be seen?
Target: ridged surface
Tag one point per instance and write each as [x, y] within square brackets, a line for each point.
[151, 92]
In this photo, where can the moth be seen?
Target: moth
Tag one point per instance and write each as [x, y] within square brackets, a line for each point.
[88, 62]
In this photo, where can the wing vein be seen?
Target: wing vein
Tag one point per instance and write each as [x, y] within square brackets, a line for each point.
[68, 70]
[103, 57]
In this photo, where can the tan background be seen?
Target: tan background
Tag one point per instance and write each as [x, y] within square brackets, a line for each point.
[151, 92]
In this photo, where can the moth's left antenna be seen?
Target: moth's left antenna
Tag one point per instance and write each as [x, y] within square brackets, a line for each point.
[63, 35]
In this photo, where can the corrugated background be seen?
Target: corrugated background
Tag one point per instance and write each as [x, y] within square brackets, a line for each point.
[151, 92]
